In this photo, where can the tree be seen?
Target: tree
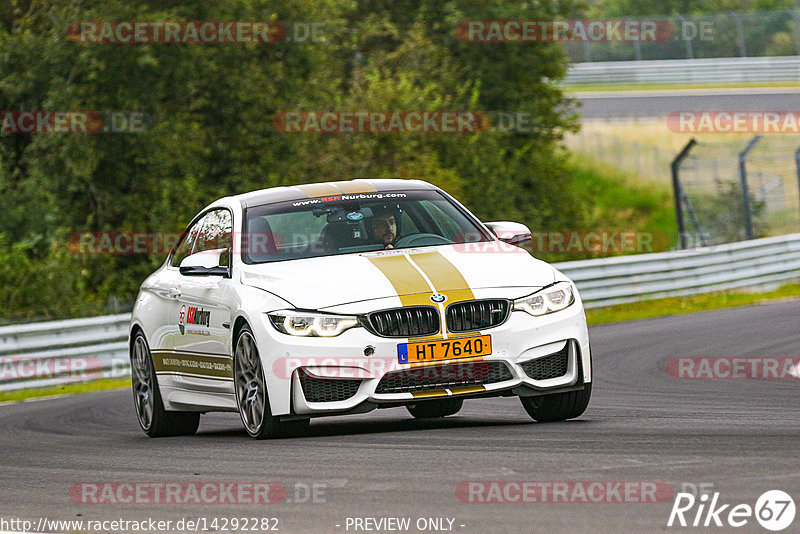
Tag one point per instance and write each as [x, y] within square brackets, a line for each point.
[210, 133]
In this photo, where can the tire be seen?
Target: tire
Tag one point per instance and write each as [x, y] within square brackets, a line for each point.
[153, 419]
[435, 408]
[558, 406]
[251, 393]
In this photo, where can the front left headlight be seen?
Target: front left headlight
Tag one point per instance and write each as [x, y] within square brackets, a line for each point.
[547, 300]
[301, 323]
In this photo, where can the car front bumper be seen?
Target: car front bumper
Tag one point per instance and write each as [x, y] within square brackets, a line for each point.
[310, 376]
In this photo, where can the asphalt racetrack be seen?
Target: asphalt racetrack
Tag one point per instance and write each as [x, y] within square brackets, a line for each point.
[630, 104]
[738, 437]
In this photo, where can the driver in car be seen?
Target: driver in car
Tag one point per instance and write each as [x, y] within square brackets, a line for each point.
[382, 228]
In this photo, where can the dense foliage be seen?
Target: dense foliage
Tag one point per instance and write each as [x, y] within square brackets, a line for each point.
[210, 133]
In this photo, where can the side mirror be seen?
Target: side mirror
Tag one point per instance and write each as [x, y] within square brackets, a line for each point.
[205, 263]
[510, 232]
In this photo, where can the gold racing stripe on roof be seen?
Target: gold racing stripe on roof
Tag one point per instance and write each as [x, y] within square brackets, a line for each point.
[318, 190]
[354, 187]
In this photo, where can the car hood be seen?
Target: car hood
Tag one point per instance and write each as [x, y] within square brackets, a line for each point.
[410, 276]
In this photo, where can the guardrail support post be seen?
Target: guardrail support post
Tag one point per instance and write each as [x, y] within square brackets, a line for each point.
[686, 42]
[748, 210]
[740, 34]
[676, 188]
[796, 32]
[797, 166]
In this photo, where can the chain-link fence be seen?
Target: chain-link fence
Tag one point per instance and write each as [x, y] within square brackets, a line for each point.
[731, 191]
[729, 34]
[643, 160]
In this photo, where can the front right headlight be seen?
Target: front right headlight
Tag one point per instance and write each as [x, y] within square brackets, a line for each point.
[302, 323]
[547, 300]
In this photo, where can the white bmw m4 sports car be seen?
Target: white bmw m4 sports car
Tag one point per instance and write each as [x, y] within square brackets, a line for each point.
[338, 298]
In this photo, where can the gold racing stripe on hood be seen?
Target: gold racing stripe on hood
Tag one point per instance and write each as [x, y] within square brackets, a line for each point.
[444, 276]
[405, 273]
[409, 285]
[416, 277]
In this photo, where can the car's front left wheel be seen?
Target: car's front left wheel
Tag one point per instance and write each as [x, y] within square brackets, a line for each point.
[153, 418]
[251, 393]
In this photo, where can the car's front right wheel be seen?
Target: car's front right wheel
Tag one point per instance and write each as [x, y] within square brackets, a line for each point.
[558, 406]
[251, 393]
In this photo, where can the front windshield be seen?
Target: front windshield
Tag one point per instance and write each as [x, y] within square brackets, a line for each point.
[346, 224]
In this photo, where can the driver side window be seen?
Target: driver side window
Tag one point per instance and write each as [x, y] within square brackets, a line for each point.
[186, 245]
[212, 231]
[215, 234]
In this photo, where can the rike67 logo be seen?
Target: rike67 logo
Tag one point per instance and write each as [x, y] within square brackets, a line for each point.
[192, 315]
[774, 510]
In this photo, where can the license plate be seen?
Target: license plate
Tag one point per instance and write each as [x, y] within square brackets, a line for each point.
[447, 349]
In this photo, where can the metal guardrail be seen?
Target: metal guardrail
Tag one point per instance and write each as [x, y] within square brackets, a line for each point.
[59, 352]
[687, 71]
[760, 263]
[42, 354]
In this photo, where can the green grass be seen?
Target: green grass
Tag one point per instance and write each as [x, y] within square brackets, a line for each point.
[65, 389]
[622, 200]
[692, 304]
[673, 86]
[617, 201]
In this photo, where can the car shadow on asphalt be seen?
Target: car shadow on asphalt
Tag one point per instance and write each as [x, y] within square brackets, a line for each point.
[333, 426]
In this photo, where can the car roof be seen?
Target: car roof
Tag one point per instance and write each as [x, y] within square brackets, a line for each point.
[329, 189]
